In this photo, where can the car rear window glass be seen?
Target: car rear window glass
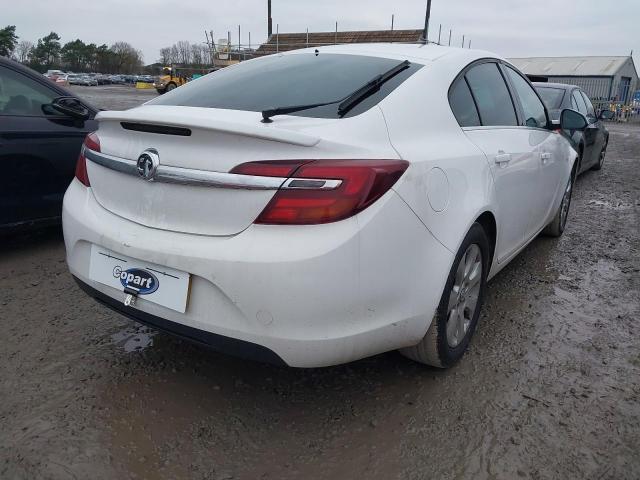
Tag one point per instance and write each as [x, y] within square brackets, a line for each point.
[462, 104]
[552, 97]
[289, 80]
[491, 95]
[532, 107]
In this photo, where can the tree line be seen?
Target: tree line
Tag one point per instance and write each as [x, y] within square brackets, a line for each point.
[186, 54]
[48, 53]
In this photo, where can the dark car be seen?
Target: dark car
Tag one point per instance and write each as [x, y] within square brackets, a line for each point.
[117, 79]
[42, 127]
[103, 79]
[591, 144]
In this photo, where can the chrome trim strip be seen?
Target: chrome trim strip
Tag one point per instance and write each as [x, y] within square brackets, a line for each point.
[310, 184]
[189, 176]
[504, 127]
[114, 163]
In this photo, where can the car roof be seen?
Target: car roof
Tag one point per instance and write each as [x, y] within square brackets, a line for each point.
[420, 53]
[7, 62]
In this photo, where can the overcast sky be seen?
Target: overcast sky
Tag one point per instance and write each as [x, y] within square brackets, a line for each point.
[508, 27]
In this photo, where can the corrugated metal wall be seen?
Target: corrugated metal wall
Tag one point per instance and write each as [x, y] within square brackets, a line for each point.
[598, 88]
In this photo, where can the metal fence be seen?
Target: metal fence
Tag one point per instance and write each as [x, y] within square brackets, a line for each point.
[629, 112]
[280, 41]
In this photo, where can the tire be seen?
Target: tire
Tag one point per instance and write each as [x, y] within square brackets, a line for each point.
[170, 87]
[603, 153]
[161, 92]
[441, 346]
[556, 227]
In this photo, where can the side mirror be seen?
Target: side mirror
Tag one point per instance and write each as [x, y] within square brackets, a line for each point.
[606, 115]
[71, 107]
[572, 120]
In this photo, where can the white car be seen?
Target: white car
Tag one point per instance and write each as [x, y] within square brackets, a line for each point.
[320, 206]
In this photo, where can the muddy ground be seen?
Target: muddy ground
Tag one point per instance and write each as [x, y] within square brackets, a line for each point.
[550, 388]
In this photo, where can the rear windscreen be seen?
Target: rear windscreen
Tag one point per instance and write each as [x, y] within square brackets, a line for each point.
[552, 97]
[288, 80]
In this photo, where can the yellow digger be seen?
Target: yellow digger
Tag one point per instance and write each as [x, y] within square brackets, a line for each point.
[173, 77]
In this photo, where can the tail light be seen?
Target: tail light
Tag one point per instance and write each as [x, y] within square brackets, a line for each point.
[91, 142]
[323, 191]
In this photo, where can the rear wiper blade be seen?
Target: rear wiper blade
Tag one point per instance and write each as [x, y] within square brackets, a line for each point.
[370, 88]
[346, 103]
[267, 114]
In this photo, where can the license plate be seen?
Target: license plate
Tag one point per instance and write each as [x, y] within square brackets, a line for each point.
[155, 283]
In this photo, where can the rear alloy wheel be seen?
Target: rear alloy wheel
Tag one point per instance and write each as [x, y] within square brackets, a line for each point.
[455, 321]
[556, 227]
[603, 153]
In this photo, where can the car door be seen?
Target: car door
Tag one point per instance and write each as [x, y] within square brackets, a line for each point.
[546, 149]
[509, 152]
[38, 148]
[595, 124]
[590, 134]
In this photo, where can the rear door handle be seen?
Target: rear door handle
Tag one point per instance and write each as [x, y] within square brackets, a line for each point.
[545, 157]
[503, 158]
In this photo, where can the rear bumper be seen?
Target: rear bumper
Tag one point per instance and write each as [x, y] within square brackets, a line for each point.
[312, 295]
[230, 346]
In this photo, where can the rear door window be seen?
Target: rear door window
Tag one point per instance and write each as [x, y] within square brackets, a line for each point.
[579, 101]
[289, 80]
[462, 104]
[574, 104]
[591, 112]
[532, 107]
[491, 95]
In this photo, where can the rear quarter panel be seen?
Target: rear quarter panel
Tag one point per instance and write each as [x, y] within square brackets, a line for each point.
[449, 182]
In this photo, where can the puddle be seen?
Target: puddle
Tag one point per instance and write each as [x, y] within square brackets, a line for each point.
[133, 339]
